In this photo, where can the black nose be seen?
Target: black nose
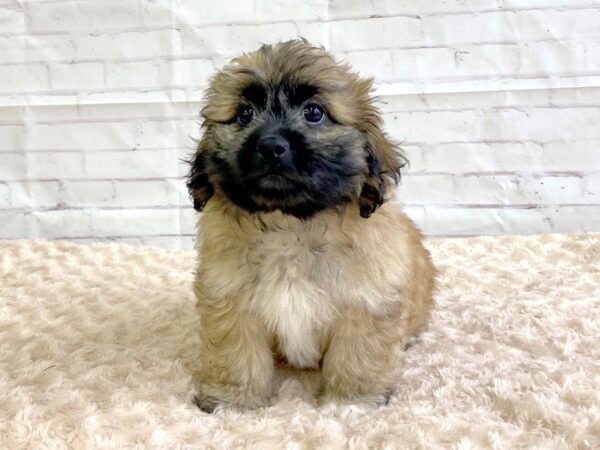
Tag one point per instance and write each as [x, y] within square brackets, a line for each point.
[273, 147]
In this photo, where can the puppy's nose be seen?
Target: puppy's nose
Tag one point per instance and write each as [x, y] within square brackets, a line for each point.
[273, 147]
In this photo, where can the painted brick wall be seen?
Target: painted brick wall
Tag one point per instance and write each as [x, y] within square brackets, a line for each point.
[496, 102]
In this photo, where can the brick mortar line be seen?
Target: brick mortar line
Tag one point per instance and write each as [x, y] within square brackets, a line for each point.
[198, 90]
[29, 124]
[411, 171]
[212, 56]
[470, 12]
[501, 141]
[88, 151]
[47, 180]
[590, 6]
[452, 46]
[165, 118]
[520, 108]
[419, 174]
[409, 174]
[99, 209]
[515, 174]
[186, 207]
[399, 142]
[406, 143]
[194, 117]
[546, 77]
[133, 236]
[94, 152]
[185, 235]
[484, 206]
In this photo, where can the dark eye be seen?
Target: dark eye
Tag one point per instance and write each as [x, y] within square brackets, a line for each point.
[245, 115]
[314, 114]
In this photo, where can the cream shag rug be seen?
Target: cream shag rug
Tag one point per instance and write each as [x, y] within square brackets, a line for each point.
[97, 343]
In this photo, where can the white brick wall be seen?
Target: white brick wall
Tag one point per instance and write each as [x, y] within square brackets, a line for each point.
[496, 103]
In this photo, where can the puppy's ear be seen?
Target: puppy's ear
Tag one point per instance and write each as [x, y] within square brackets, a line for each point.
[198, 184]
[384, 162]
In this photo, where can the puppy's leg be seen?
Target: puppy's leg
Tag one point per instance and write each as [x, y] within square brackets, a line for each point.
[362, 361]
[237, 365]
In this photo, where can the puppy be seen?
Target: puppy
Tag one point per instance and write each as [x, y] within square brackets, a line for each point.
[302, 258]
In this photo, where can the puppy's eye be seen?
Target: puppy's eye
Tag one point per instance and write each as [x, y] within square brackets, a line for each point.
[314, 114]
[245, 115]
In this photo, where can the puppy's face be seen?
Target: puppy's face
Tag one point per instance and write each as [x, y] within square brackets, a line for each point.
[287, 128]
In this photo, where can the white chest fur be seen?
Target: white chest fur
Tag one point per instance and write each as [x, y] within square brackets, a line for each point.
[289, 293]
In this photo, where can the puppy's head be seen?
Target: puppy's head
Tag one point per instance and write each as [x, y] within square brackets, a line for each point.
[287, 128]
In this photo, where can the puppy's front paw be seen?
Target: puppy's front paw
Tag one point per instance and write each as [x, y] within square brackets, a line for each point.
[352, 408]
[208, 399]
[374, 400]
[206, 403]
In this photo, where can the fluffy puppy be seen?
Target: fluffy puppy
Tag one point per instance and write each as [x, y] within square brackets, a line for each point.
[302, 260]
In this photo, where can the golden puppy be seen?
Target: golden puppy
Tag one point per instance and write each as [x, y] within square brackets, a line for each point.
[302, 259]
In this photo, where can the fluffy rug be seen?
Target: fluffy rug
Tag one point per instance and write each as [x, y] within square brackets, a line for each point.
[97, 343]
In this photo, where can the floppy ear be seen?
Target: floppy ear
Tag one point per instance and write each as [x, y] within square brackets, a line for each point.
[384, 162]
[199, 187]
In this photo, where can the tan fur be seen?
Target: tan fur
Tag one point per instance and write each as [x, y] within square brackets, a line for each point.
[339, 287]
[336, 292]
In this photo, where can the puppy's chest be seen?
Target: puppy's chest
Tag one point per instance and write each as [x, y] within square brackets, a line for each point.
[291, 291]
[302, 258]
